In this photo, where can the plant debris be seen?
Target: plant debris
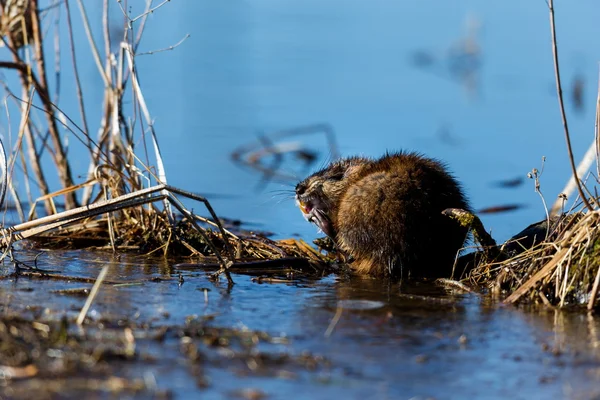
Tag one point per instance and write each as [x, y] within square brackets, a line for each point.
[48, 356]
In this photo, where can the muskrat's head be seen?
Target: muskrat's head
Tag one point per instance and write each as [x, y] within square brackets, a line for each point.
[318, 195]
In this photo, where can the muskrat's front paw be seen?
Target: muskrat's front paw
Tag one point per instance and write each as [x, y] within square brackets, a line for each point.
[325, 243]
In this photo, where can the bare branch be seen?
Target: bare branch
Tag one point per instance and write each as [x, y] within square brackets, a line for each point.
[166, 48]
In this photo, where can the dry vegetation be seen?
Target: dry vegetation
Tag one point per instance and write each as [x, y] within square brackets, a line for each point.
[125, 202]
[555, 262]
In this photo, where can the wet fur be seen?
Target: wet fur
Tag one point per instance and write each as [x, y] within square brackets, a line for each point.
[386, 213]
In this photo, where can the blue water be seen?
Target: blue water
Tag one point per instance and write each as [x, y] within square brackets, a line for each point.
[262, 66]
[253, 67]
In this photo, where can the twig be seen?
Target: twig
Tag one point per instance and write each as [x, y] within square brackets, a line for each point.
[150, 11]
[471, 221]
[172, 47]
[63, 116]
[93, 293]
[3, 174]
[334, 321]
[106, 30]
[451, 283]
[276, 263]
[562, 106]
[535, 174]
[93, 47]
[584, 165]
[25, 131]
[9, 173]
[594, 292]
[57, 58]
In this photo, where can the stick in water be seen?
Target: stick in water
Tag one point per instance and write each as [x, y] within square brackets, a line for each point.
[93, 293]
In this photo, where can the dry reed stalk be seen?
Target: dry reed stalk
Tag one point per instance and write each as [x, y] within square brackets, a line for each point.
[334, 321]
[120, 179]
[541, 274]
[28, 229]
[79, 91]
[92, 295]
[162, 176]
[594, 292]
[562, 106]
[59, 156]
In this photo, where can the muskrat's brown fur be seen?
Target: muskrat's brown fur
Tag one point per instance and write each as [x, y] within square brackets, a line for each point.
[387, 213]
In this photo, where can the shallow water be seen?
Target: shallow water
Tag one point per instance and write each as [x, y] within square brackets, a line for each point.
[379, 73]
[388, 342]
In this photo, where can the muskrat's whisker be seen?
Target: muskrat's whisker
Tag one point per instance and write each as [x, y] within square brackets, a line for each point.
[287, 194]
[284, 199]
[279, 200]
[284, 191]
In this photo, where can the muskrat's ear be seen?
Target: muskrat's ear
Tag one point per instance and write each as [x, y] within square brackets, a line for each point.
[352, 169]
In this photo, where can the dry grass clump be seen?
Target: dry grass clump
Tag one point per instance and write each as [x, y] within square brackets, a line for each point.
[562, 269]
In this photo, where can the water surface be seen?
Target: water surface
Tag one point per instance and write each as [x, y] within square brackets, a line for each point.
[366, 338]
[380, 74]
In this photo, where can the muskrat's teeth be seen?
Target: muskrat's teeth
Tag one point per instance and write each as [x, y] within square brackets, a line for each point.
[305, 206]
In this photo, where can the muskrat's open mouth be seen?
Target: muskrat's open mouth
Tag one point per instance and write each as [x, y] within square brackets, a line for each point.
[317, 216]
[304, 207]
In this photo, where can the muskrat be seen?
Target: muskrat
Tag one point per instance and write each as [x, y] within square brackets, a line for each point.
[387, 213]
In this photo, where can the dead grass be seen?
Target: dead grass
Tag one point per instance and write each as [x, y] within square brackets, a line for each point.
[562, 270]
